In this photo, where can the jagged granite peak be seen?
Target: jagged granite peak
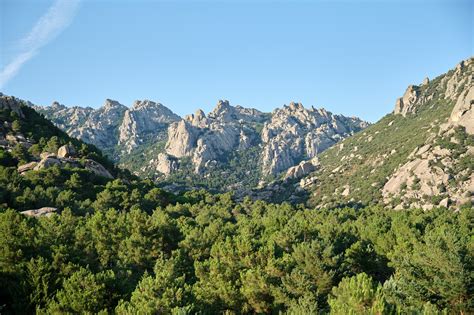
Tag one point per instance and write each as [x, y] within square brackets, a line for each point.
[182, 137]
[198, 119]
[57, 106]
[207, 139]
[100, 127]
[295, 133]
[275, 141]
[224, 112]
[143, 120]
[110, 104]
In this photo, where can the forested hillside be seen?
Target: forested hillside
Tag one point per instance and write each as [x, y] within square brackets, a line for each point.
[115, 244]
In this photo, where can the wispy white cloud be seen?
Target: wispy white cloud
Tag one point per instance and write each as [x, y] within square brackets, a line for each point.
[50, 25]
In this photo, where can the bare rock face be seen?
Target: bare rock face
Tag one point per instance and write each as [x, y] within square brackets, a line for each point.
[206, 139]
[302, 169]
[166, 164]
[97, 168]
[406, 104]
[61, 160]
[101, 126]
[427, 174]
[182, 138]
[463, 112]
[197, 119]
[66, 151]
[45, 155]
[41, 212]
[294, 132]
[144, 119]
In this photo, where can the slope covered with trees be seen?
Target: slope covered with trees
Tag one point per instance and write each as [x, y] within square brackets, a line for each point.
[121, 245]
[210, 255]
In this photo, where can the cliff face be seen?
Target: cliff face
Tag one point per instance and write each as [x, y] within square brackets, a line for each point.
[295, 133]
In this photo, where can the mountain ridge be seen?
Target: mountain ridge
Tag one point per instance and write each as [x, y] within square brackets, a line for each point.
[151, 140]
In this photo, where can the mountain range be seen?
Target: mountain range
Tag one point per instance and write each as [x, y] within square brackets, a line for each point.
[420, 155]
[242, 145]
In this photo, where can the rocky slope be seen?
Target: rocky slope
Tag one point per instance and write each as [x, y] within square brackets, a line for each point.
[151, 140]
[32, 143]
[421, 155]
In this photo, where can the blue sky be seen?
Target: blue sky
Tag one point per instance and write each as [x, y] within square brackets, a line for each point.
[351, 57]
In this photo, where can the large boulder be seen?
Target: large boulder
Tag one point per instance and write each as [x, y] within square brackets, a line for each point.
[46, 163]
[302, 169]
[41, 212]
[27, 167]
[166, 164]
[66, 151]
[97, 168]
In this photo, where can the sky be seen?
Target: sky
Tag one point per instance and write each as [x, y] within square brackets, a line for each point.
[350, 57]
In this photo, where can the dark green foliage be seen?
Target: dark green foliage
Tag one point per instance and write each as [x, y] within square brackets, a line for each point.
[211, 255]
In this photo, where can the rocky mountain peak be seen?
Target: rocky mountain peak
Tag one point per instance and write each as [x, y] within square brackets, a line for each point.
[146, 104]
[198, 119]
[144, 120]
[222, 110]
[294, 106]
[294, 132]
[113, 105]
[56, 106]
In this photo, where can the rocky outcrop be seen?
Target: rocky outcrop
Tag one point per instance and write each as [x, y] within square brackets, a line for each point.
[97, 168]
[302, 169]
[182, 137]
[101, 126]
[27, 167]
[166, 164]
[454, 85]
[144, 120]
[41, 212]
[295, 132]
[406, 104]
[207, 139]
[49, 160]
[429, 176]
[463, 112]
[66, 151]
